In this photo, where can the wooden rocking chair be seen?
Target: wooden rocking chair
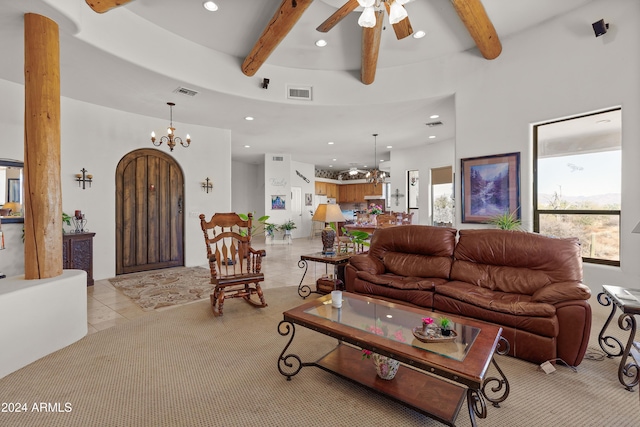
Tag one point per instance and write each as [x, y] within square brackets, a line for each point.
[234, 264]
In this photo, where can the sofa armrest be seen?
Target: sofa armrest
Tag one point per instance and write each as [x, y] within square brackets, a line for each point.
[562, 291]
[367, 263]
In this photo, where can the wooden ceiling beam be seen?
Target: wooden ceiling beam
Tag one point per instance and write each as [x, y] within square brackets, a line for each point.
[403, 28]
[102, 6]
[370, 49]
[480, 27]
[276, 30]
[338, 16]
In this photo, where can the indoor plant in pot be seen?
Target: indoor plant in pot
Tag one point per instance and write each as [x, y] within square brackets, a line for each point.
[288, 226]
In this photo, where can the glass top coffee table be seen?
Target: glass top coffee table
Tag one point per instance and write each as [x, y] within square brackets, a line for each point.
[388, 329]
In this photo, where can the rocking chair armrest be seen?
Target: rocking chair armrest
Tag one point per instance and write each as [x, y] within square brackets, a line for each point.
[260, 252]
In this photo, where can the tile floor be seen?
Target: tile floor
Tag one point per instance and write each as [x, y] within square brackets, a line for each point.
[107, 306]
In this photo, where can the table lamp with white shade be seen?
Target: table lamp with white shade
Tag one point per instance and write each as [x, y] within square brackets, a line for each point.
[328, 213]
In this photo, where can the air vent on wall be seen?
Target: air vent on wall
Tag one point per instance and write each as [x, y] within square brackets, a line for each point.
[299, 92]
[185, 91]
[278, 159]
[433, 124]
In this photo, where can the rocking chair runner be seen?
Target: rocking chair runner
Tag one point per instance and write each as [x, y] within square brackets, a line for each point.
[234, 264]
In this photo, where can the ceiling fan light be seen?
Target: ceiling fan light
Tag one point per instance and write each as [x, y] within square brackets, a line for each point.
[367, 17]
[353, 172]
[397, 12]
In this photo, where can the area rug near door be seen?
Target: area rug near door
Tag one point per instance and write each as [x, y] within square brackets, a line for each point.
[163, 288]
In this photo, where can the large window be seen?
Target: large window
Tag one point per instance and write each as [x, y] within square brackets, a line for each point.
[577, 182]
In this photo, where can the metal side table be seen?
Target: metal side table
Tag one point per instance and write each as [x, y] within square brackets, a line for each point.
[628, 301]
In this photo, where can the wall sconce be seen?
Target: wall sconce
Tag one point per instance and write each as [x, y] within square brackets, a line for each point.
[84, 178]
[207, 185]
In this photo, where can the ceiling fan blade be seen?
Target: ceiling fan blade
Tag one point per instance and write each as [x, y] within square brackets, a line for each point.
[276, 30]
[480, 27]
[370, 48]
[102, 6]
[403, 28]
[338, 16]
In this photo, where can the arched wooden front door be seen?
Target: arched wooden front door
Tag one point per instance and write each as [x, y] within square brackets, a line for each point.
[149, 212]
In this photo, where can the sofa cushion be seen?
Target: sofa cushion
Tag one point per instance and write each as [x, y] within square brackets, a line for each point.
[400, 282]
[515, 261]
[516, 304]
[414, 250]
[417, 265]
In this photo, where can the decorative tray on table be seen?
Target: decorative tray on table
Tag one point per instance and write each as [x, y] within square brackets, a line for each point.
[417, 332]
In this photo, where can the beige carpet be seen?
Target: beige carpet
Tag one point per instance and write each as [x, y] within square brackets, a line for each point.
[167, 287]
[185, 367]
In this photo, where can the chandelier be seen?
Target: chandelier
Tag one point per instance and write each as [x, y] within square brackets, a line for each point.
[375, 176]
[170, 138]
[396, 10]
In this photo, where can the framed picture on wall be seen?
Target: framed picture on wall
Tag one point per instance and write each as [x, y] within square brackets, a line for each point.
[490, 187]
[308, 199]
[278, 202]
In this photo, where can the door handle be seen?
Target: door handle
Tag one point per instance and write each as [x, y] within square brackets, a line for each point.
[179, 205]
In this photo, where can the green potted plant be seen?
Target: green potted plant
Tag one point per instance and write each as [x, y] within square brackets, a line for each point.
[254, 229]
[445, 326]
[269, 228]
[288, 226]
[506, 221]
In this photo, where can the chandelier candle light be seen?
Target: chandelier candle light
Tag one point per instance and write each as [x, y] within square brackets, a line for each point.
[170, 138]
[375, 176]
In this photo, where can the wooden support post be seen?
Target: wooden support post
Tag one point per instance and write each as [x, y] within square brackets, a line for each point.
[43, 196]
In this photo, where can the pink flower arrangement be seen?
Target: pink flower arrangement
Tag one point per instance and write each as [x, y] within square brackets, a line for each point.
[427, 320]
[374, 209]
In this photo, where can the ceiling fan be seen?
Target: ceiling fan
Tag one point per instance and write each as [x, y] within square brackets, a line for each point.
[353, 170]
[471, 12]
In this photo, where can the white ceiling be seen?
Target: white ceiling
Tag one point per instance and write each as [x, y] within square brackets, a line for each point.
[90, 73]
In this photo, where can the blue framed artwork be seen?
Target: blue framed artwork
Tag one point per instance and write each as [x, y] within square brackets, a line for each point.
[490, 187]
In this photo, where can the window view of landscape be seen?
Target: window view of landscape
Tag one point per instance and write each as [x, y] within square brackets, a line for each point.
[579, 183]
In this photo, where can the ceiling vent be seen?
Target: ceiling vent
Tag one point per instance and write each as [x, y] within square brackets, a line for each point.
[434, 124]
[299, 92]
[185, 91]
[278, 158]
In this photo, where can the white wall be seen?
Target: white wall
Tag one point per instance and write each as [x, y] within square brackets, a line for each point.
[422, 159]
[560, 69]
[96, 138]
[247, 188]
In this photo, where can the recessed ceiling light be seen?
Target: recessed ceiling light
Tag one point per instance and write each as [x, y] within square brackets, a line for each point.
[249, 118]
[334, 160]
[330, 142]
[210, 6]
[419, 34]
[330, 166]
[321, 43]
[435, 116]
[389, 146]
[603, 121]
[381, 160]
[247, 146]
[432, 136]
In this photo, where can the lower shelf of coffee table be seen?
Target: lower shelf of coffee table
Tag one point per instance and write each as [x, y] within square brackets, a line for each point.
[427, 394]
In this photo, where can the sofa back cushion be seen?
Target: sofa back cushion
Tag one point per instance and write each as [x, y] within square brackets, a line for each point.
[515, 261]
[415, 250]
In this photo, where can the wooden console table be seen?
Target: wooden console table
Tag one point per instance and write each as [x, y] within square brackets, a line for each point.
[77, 253]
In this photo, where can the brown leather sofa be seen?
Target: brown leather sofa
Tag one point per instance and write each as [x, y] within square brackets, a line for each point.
[529, 284]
